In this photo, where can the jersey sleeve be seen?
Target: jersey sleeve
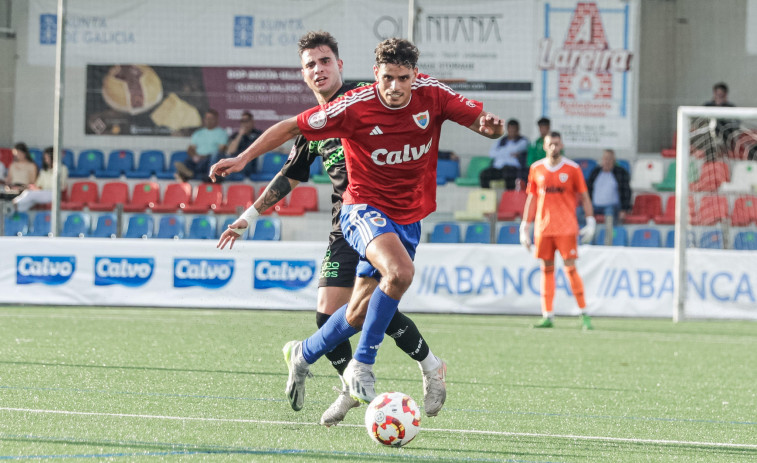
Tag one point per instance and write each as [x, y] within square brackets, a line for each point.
[579, 182]
[297, 165]
[531, 187]
[328, 121]
[457, 107]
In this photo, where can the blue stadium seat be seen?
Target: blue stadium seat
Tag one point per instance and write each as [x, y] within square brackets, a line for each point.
[77, 224]
[151, 162]
[586, 165]
[445, 232]
[41, 224]
[509, 233]
[17, 224]
[646, 238]
[624, 164]
[106, 227]
[140, 226]
[447, 170]
[203, 227]
[89, 162]
[68, 160]
[228, 222]
[712, 239]
[120, 162]
[267, 228]
[170, 170]
[316, 168]
[619, 236]
[272, 164]
[745, 241]
[670, 239]
[478, 232]
[36, 155]
[171, 226]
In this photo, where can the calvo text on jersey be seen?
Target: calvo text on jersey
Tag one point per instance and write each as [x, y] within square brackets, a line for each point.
[383, 156]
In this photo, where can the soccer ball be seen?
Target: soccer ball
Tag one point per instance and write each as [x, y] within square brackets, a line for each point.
[393, 419]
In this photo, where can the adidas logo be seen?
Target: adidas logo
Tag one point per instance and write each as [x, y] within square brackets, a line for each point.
[376, 131]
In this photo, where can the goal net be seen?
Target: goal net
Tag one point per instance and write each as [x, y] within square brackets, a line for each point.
[716, 213]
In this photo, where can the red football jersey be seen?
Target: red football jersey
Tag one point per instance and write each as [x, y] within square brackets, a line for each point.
[391, 153]
[555, 189]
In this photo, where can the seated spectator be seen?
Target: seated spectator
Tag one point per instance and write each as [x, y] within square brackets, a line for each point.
[609, 187]
[243, 138]
[206, 143]
[22, 171]
[508, 155]
[41, 192]
[723, 128]
[536, 149]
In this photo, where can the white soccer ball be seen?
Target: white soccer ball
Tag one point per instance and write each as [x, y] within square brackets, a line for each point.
[393, 419]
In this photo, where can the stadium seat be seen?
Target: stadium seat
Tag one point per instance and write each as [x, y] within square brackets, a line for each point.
[238, 198]
[228, 222]
[106, 227]
[272, 164]
[175, 197]
[17, 224]
[472, 173]
[140, 226]
[743, 177]
[670, 239]
[445, 232]
[316, 168]
[669, 182]
[624, 164]
[151, 162]
[41, 224]
[267, 229]
[269, 211]
[646, 238]
[6, 156]
[89, 162]
[646, 207]
[509, 233]
[712, 239]
[171, 226]
[646, 172]
[481, 202]
[82, 194]
[586, 165]
[144, 194]
[447, 170]
[713, 174]
[113, 193]
[207, 196]
[619, 236]
[511, 205]
[36, 155]
[170, 170]
[120, 162]
[668, 217]
[712, 209]
[303, 199]
[68, 160]
[77, 224]
[745, 241]
[478, 232]
[744, 211]
[203, 227]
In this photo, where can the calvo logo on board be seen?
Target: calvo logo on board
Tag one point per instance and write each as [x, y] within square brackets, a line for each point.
[48, 270]
[125, 271]
[285, 274]
[205, 273]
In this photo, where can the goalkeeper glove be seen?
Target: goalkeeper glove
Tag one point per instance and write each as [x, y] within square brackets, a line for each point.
[525, 234]
[587, 232]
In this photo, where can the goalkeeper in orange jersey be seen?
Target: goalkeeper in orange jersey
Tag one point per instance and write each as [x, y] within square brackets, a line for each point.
[553, 183]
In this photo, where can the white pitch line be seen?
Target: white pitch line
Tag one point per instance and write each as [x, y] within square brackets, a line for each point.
[462, 431]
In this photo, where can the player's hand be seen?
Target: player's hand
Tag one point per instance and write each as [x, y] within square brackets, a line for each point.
[225, 167]
[525, 234]
[491, 126]
[587, 232]
[231, 234]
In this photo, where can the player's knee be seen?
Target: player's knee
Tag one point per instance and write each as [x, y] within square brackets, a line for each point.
[355, 319]
[398, 280]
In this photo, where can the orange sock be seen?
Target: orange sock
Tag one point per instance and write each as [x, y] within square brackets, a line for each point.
[547, 289]
[577, 285]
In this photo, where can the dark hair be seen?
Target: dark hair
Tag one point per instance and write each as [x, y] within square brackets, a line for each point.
[543, 121]
[49, 150]
[397, 51]
[513, 122]
[555, 134]
[21, 147]
[212, 111]
[720, 86]
[248, 113]
[315, 39]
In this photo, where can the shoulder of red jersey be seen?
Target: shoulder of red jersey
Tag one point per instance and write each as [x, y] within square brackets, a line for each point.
[364, 93]
[426, 81]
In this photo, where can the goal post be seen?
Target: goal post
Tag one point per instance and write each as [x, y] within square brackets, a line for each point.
[726, 135]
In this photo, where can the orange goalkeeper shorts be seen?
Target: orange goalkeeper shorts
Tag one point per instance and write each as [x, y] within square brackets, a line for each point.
[547, 245]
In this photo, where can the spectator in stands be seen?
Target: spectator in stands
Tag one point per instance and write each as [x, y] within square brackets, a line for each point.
[206, 143]
[22, 171]
[723, 128]
[243, 138]
[508, 156]
[536, 149]
[609, 187]
[41, 191]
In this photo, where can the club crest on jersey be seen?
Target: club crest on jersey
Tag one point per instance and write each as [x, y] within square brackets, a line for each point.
[317, 120]
[421, 119]
[563, 177]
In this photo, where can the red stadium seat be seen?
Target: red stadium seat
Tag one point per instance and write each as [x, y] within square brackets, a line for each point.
[302, 199]
[511, 205]
[668, 217]
[82, 194]
[712, 209]
[208, 196]
[711, 176]
[744, 211]
[176, 196]
[645, 208]
[113, 193]
[144, 194]
[6, 156]
[270, 210]
[237, 196]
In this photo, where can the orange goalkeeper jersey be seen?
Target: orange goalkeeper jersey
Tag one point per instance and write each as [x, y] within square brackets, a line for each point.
[555, 189]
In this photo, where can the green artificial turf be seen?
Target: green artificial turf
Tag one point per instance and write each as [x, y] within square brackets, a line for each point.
[105, 384]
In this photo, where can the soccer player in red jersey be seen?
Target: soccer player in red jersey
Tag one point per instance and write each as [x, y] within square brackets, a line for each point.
[553, 184]
[390, 134]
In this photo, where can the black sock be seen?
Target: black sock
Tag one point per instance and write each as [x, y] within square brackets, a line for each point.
[408, 338]
[341, 354]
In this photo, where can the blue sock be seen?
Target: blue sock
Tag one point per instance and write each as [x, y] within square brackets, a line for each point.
[335, 331]
[381, 309]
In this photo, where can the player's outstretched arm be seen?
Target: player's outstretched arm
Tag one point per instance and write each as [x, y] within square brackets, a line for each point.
[488, 125]
[277, 189]
[271, 139]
